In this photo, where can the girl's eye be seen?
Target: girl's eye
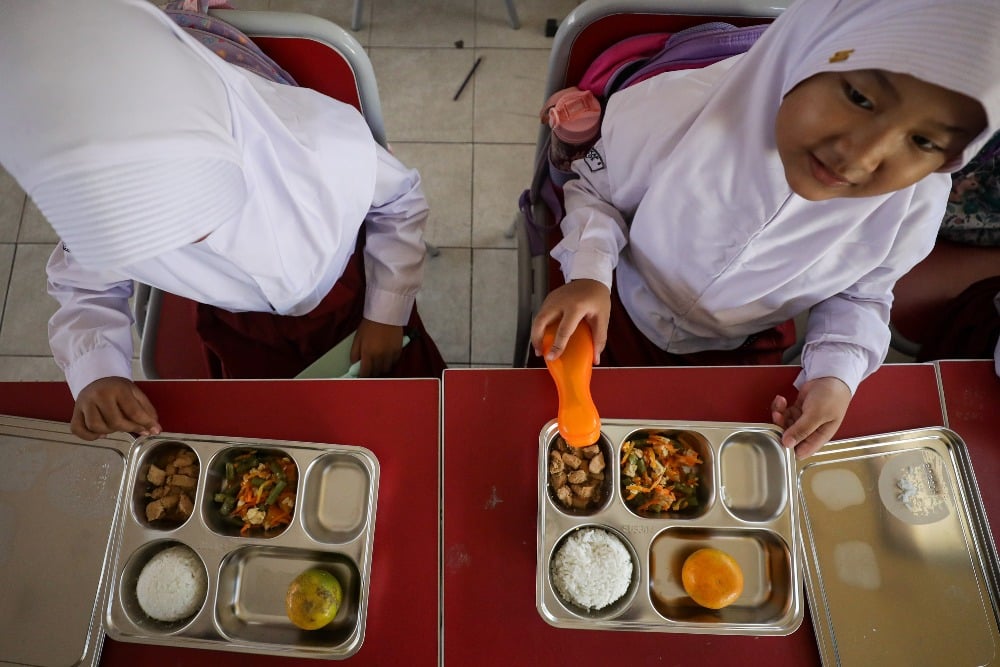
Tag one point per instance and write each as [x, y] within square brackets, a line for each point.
[856, 98]
[925, 144]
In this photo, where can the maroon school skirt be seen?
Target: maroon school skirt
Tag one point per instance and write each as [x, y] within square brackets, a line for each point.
[627, 346]
[264, 345]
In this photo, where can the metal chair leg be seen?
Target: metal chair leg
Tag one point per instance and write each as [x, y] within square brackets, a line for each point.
[515, 22]
[359, 7]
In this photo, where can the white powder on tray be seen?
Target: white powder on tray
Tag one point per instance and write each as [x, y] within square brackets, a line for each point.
[592, 568]
[918, 490]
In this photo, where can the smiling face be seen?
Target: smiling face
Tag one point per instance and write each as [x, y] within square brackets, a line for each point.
[870, 132]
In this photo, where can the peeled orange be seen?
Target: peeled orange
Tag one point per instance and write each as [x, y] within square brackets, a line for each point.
[712, 578]
[313, 598]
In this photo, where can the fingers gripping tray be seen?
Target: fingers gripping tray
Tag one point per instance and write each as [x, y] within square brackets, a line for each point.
[181, 540]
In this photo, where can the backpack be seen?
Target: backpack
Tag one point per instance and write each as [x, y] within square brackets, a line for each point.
[625, 64]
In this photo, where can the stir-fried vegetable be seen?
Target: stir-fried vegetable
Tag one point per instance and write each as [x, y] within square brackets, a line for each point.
[258, 492]
[659, 474]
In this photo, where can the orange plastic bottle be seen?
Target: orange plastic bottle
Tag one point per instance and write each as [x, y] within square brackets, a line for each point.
[579, 423]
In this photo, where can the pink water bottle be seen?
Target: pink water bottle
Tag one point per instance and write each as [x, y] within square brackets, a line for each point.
[574, 117]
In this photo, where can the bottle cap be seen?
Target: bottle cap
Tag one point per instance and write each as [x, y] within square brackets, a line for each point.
[575, 116]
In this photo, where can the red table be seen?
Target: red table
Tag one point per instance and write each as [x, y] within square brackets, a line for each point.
[970, 391]
[396, 419]
[492, 419]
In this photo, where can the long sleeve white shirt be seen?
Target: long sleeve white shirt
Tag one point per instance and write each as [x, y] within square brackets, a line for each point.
[238, 269]
[697, 271]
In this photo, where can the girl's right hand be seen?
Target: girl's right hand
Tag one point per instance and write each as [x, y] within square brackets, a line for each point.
[578, 300]
[113, 404]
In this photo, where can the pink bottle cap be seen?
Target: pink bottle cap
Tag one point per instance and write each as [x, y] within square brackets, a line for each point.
[575, 117]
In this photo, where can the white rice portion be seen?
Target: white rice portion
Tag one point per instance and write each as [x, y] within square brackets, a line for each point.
[592, 568]
[172, 585]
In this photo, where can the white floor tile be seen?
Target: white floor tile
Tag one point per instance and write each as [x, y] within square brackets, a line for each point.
[28, 307]
[445, 302]
[494, 305]
[39, 369]
[427, 23]
[501, 173]
[6, 267]
[417, 86]
[11, 205]
[509, 91]
[446, 175]
[35, 228]
[493, 28]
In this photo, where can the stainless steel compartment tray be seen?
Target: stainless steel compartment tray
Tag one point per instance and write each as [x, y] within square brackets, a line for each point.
[746, 507]
[899, 561]
[332, 527]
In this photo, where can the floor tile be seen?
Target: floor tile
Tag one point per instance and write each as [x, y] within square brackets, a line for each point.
[501, 173]
[35, 228]
[414, 86]
[37, 369]
[440, 23]
[509, 92]
[493, 28]
[6, 266]
[11, 205]
[494, 305]
[337, 11]
[28, 307]
[446, 175]
[445, 302]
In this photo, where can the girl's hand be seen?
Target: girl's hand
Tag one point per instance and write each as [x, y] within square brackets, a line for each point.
[378, 346]
[113, 404]
[815, 417]
[578, 300]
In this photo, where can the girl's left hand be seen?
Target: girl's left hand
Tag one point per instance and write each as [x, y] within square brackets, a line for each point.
[378, 346]
[815, 417]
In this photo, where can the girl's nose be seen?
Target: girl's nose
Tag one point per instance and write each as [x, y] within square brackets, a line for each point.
[865, 149]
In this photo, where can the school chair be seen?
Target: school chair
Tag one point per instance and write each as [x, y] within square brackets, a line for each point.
[317, 54]
[921, 297]
[584, 34]
[359, 8]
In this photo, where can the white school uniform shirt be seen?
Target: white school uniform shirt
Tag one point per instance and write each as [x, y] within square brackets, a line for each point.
[189, 174]
[685, 193]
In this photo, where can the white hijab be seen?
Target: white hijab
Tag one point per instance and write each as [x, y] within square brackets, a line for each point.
[134, 140]
[715, 137]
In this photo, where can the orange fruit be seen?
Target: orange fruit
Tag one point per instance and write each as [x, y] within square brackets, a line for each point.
[712, 578]
[313, 598]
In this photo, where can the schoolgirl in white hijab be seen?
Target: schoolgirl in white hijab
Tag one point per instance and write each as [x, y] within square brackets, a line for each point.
[155, 160]
[808, 174]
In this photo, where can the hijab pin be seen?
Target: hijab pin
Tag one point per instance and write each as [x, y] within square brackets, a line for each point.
[841, 56]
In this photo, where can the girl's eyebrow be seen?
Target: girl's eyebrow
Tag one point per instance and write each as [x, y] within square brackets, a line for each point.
[883, 82]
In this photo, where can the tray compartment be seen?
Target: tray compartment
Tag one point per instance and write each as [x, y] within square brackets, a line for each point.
[215, 480]
[763, 556]
[618, 606]
[687, 439]
[558, 447]
[753, 476]
[158, 481]
[250, 606]
[127, 584]
[336, 498]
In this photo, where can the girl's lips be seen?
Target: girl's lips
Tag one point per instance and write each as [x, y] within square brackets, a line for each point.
[824, 175]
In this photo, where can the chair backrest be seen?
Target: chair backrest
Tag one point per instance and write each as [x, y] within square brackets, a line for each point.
[584, 34]
[317, 54]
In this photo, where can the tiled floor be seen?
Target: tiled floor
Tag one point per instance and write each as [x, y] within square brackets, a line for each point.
[475, 155]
